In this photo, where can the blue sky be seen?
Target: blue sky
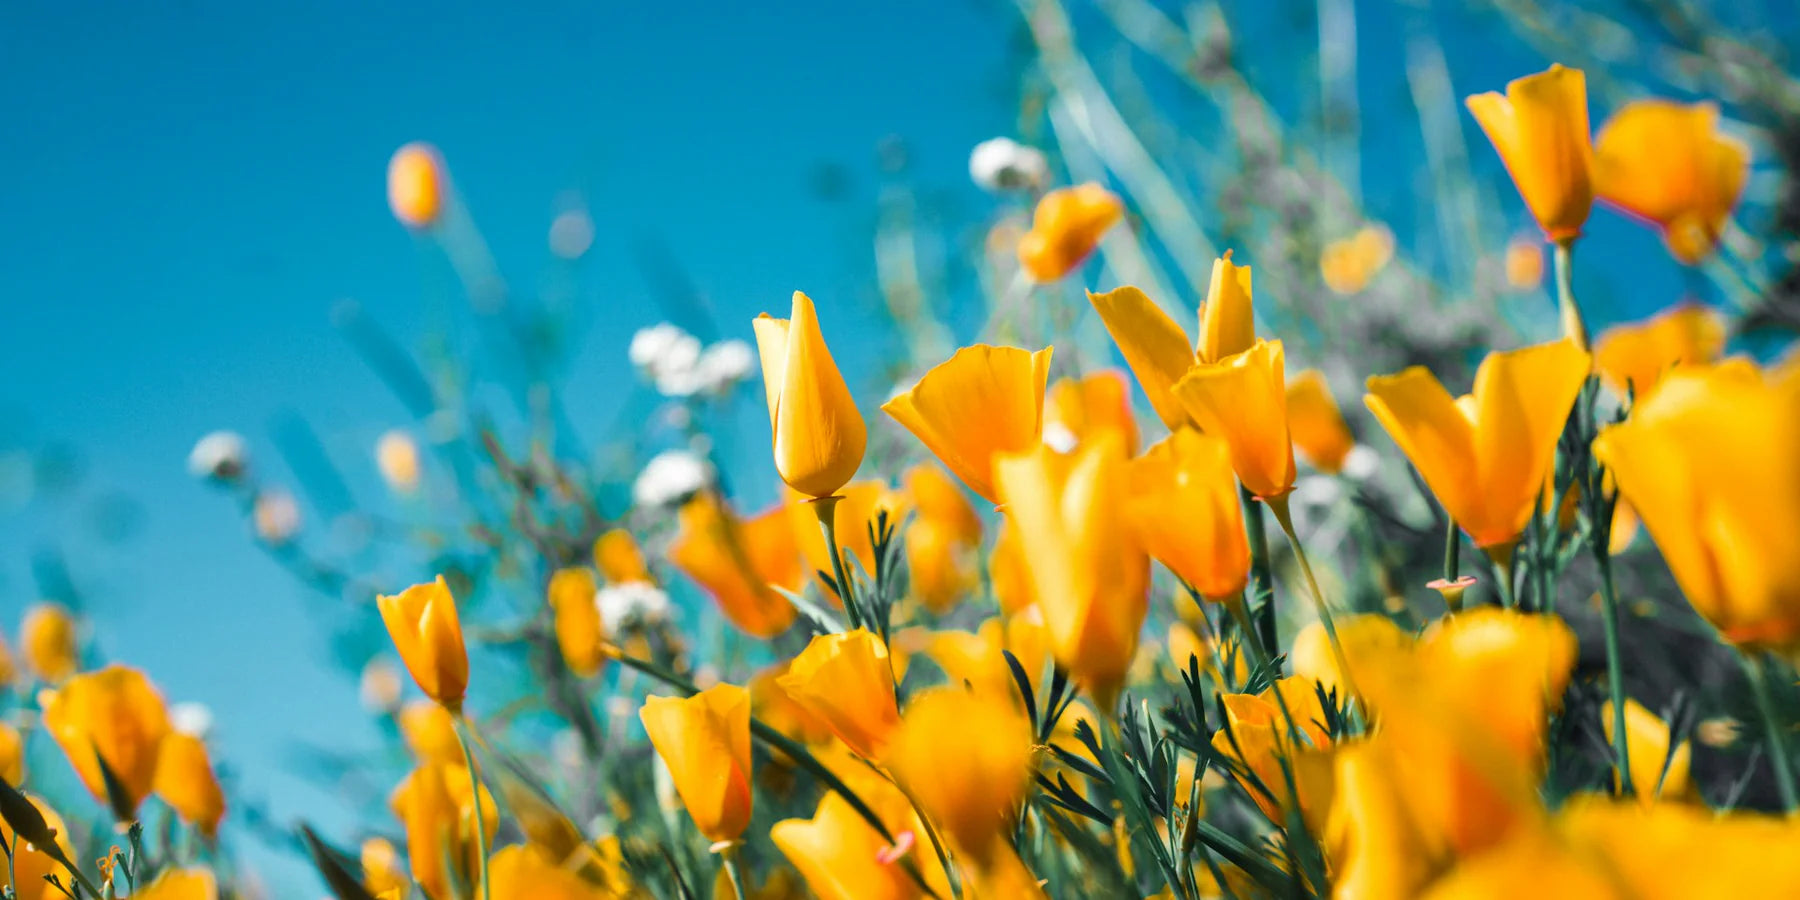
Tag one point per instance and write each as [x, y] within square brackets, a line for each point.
[187, 189]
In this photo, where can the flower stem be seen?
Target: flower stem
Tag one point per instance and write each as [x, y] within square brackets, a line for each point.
[1260, 580]
[1452, 549]
[1574, 326]
[766, 733]
[826, 509]
[462, 740]
[1283, 517]
[1241, 615]
[1615, 669]
[1772, 728]
[729, 854]
[1502, 556]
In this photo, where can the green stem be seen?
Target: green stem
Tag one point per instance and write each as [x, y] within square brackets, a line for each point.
[1241, 615]
[1574, 326]
[1615, 669]
[462, 740]
[57, 854]
[1772, 728]
[1502, 557]
[729, 854]
[826, 509]
[1452, 548]
[1260, 580]
[766, 733]
[1283, 517]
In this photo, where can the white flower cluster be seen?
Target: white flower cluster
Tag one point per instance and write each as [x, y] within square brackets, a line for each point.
[1003, 164]
[670, 477]
[677, 364]
[632, 603]
[219, 456]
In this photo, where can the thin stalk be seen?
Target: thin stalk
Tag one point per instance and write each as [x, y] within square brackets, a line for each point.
[1241, 615]
[1574, 326]
[766, 733]
[57, 854]
[1615, 671]
[1452, 549]
[1502, 557]
[462, 740]
[729, 854]
[1283, 517]
[1772, 728]
[1261, 581]
[826, 509]
[931, 830]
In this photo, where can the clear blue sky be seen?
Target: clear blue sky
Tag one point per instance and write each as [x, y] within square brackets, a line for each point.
[187, 189]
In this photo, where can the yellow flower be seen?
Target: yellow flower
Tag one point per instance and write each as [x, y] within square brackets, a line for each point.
[1009, 571]
[523, 873]
[185, 781]
[1710, 460]
[1524, 263]
[618, 559]
[117, 714]
[976, 659]
[1668, 164]
[12, 755]
[1316, 424]
[1090, 578]
[1065, 229]
[1243, 399]
[981, 402]
[1158, 350]
[1362, 636]
[1540, 129]
[847, 682]
[1183, 508]
[775, 707]
[819, 436]
[704, 740]
[1633, 357]
[1485, 455]
[181, 884]
[740, 563]
[579, 632]
[1262, 738]
[423, 624]
[30, 863]
[942, 540]
[416, 185]
[966, 759]
[381, 867]
[841, 856]
[47, 640]
[1080, 408]
[429, 732]
[1349, 264]
[1658, 771]
[435, 803]
[398, 459]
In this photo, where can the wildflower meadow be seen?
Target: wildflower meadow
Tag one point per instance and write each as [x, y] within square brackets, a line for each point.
[1260, 511]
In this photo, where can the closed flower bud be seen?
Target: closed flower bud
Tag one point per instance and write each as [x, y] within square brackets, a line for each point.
[579, 632]
[847, 682]
[617, 557]
[704, 740]
[819, 435]
[1243, 399]
[1065, 229]
[1540, 128]
[982, 402]
[117, 714]
[416, 185]
[29, 826]
[47, 639]
[423, 624]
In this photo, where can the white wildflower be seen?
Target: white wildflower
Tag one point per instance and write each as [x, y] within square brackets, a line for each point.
[724, 364]
[1003, 164]
[221, 456]
[670, 476]
[191, 719]
[1361, 462]
[276, 516]
[633, 602]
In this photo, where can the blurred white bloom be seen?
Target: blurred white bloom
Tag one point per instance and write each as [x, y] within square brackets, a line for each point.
[1003, 164]
[275, 515]
[380, 686]
[724, 364]
[1317, 490]
[671, 358]
[221, 455]
[649, 344]
[670, 476]
[191, 719]
[571, 233]
[398, 459]
[1058, 437]
[630, 603]
[1361, 462]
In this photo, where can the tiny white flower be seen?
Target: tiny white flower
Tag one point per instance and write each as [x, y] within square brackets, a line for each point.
[724, 364]
[571, 233]
[1058, 437]
[622, 605]
[1003, 164]
[191, 719]
[1317, 490]
[221, 456]
[649, 344]
[276, 516]
[1361, 462]
[670, 476]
